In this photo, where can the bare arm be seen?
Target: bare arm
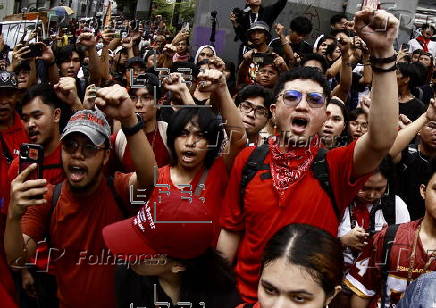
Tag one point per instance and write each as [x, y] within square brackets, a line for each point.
[214, 81]
[383, 117]
[406, 135]
[116, 104]
[228, 243]
[343, 89]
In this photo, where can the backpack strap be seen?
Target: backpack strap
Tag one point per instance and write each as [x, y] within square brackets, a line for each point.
[389, 208]
[254, 163]
[117, 197]
[388, 241]
[200, 185]
[6, 153]
[54, 201]
[320, 170]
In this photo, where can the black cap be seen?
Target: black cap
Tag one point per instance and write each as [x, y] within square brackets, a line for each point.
[133, 60]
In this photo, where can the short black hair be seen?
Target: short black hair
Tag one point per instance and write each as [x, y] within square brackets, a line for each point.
[152, 85]
[325, 38]
[337, 18]
[354, 114]
[335, 32]
[255, 91]
[310, 73]
[63, 54]
[427, 26]
[208, 123]
[315, 57]
[302, 25]
[415, 71]
[43, 90]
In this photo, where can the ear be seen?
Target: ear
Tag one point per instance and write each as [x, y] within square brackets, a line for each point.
[107, 154]
[330, 298]
[177, 268]
[272, 108]
[57, 115]
[422, 191]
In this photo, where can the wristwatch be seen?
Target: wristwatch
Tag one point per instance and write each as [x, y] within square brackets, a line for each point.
[130, 131]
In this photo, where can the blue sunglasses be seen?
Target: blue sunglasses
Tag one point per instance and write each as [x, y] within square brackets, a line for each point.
[293, 98]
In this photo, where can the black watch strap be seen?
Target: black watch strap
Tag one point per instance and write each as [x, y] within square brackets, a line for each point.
[130, 131]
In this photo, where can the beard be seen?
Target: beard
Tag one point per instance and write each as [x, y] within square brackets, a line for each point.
[94, 181]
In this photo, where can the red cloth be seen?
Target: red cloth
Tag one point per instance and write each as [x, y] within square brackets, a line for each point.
[424, 42]
[257, 305]
[365, 276]
[84, 268]
[160, 153]
[13, 137]
[264, 213]
[214, 187]
[53, 176]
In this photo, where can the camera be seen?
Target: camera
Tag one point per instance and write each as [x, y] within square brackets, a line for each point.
[238, 13]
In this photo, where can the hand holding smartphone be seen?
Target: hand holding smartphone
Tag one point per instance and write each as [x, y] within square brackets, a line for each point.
[30, 154]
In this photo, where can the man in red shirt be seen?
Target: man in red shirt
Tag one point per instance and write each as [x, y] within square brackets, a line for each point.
[86, 203]
[291, 193]
[12, 134]
[412, 254]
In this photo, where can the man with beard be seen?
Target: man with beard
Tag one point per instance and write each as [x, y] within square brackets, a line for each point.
[86, 202]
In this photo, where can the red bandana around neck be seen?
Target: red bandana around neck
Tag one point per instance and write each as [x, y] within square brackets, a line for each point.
[424, 42]
[290, 167]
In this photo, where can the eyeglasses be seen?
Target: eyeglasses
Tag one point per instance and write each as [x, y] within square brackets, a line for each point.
[248, 107]
[88, 150]
[362, 125]
[142, 99]
[293, 98]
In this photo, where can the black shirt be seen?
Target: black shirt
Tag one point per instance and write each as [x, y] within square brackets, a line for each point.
[301, 48]
[132, 288]
[267, 14]
[413, 171]
[412, 109]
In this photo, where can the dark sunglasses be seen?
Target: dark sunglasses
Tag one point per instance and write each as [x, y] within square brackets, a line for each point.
[88, 150]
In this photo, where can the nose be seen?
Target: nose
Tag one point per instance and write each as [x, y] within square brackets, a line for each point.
[31, 123]
[191, 141]
[328, 124]
[302, 105]
[280, 302]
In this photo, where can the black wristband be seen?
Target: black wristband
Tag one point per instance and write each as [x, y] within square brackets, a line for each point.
[130, 131]
[374, 60]
[376, 69]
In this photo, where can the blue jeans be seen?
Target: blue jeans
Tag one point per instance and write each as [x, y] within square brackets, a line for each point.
[421, 293]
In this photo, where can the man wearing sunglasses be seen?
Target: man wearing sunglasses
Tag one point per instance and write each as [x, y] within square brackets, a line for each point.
[284, 188]
[86, 202]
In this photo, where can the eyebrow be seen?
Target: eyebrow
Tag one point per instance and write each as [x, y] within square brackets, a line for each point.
[290, 292]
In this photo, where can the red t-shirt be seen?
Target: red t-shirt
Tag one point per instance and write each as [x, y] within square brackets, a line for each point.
[84, 268]
[126, 165]
[54, 174]
[212, 193]
[263, 213]
[13, 137]
[364, 276]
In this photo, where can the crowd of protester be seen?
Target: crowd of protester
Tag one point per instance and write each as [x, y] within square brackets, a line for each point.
[139, 171]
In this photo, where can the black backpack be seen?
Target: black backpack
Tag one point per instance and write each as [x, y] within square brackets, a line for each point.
[388, 241]
[256, 163]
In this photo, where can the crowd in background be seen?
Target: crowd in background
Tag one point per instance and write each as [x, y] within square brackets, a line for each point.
[139, 171]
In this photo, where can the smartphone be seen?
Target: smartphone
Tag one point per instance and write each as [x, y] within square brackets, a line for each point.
[372, 4]
[36, 50]
[29, 154]
[265, 58]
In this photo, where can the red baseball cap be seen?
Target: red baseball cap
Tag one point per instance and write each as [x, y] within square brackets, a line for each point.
[173, 227]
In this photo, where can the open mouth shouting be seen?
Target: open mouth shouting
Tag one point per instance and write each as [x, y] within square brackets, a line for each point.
[188, 156]
[77, 173]
[299, 125]
[33, 136]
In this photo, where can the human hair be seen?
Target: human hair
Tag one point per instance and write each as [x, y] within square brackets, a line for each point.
[63, 54]
[204, 277]
[302, 25]
[255, 91]
[337, 18]
[207, 122]
[323, 261]
[386, 168]
[354, 114]
[315, 57]
[427, 26]
[303, 72]
[325, 38]
[152, 85]
[335, 32]
[48, 97]
[415, 71]
[342, 107]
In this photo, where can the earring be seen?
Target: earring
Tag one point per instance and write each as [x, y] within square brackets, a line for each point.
[274, 127]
